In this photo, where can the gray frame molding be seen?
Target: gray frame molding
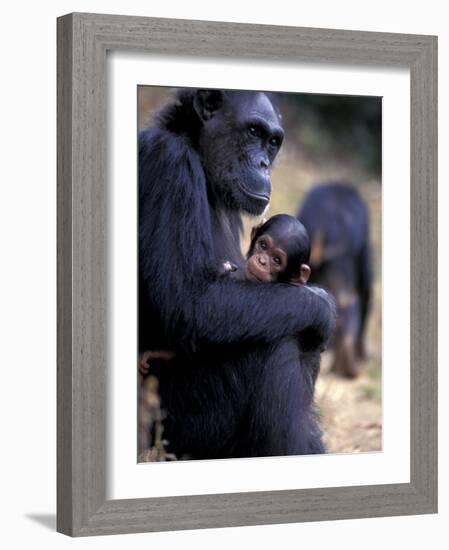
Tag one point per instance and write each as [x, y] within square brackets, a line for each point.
[83, 40]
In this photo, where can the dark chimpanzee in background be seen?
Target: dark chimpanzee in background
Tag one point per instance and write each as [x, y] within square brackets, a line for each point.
[228, 391]
[337, 221]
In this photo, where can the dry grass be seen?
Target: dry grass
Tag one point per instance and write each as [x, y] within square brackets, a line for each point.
[351, 410]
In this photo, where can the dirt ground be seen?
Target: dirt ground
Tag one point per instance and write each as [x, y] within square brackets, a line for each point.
[350, 410]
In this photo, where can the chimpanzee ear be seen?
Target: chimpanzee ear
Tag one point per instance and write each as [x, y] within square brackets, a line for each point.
[302, 276]
[207, 103]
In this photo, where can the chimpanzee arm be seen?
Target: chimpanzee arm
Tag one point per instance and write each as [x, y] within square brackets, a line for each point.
[178, 263]
[230, 311]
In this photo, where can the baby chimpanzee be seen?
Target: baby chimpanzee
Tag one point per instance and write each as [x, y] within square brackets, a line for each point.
[279, 252]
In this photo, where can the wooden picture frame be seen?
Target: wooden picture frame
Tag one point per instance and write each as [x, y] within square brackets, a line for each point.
[83, 40]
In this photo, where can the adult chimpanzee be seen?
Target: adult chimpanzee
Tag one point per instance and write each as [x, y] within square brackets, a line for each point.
[337, 221]
[231, 389]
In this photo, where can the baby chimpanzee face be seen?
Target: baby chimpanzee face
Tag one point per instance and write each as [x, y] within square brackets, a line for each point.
[267, 260]
[279, 252]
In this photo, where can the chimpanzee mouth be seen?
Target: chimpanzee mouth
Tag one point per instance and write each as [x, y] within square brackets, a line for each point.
[250, 275]
[264, 197]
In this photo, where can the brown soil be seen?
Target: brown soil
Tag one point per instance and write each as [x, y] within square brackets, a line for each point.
[350, 410]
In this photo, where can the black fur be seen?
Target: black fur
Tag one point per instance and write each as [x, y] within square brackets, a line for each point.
[335, 215]
[229, 392]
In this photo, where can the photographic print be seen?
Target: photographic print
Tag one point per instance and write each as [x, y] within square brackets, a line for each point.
[259, 274]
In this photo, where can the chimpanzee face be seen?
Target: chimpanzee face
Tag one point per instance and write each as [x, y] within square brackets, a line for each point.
[267, 260]
[240, 138]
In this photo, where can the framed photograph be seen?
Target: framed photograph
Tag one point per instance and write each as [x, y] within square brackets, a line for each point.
[247, 274]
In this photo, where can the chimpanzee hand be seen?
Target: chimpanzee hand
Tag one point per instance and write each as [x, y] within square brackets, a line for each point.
[147, 356]
[318, 336]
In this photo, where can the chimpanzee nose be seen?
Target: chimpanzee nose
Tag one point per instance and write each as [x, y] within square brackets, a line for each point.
[262, 260]
[264, 163]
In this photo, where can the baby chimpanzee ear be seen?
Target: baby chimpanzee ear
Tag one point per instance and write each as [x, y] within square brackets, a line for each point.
[302, 276]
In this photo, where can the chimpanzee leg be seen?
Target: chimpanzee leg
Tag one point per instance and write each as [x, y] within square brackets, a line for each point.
[204, 423]
[282, 420]
[361, 337]
[365, 289]
[345, 349]
[260, 405]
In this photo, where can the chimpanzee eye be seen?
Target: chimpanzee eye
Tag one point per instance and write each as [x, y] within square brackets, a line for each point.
[254, 131]
[277, 260]
[263, 245]
[274, 142]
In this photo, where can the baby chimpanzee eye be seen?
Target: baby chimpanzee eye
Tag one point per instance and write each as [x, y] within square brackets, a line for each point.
[277, 260]
[263, 245]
